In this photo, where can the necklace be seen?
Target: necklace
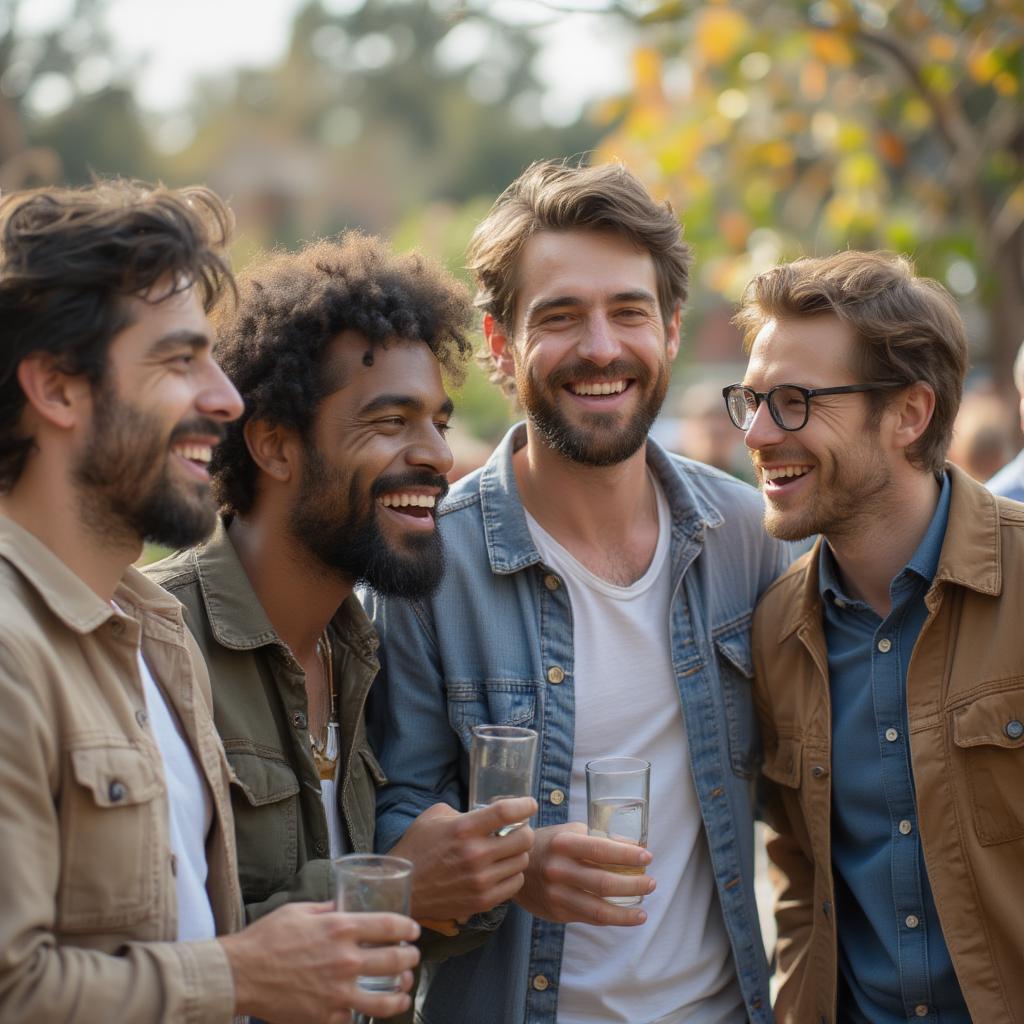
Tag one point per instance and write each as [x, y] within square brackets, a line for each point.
[325, 747]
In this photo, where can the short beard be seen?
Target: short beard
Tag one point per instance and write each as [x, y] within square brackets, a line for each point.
[125, 488]
[600, 440]
[345, 537]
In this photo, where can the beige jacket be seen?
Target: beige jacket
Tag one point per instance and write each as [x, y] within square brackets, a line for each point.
[965, 690]
[88, 914]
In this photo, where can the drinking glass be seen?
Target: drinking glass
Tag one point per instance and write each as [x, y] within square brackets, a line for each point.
[370, 883]
[501, 761]
[618, 797]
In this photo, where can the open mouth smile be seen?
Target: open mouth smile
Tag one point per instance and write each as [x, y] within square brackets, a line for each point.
[782, 477]
[599, 392]
[195, 455]
[416, 508]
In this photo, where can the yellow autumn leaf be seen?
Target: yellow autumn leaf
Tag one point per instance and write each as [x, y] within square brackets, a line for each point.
[831, 48]
[857, 171]
[983, 64]
[1005, 84]
[941, 46]
[719, 33]
[647, 70]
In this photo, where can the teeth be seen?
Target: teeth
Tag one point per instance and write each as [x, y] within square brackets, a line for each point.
[404, 500]
[613, 387]
[779, 472]
[194, 452]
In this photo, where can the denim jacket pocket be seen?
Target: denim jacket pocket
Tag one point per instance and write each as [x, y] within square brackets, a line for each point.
[110, 824]
[264, 798]
[736, 677]
[990, 734]
[490, 702]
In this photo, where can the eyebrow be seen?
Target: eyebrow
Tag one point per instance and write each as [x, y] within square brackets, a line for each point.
[560, 301]
[177, 339]
[397, 401]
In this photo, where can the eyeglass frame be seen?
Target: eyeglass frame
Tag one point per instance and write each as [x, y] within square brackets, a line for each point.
[808, 394]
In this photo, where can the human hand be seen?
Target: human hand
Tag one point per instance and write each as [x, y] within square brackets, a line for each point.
[569, 874]
[460, 867]
[299, 964]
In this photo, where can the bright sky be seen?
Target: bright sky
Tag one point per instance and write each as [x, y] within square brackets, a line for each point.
[584, 55]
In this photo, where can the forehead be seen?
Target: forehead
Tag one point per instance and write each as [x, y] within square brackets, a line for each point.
[584, 264]
[815, 352]
[158, 313]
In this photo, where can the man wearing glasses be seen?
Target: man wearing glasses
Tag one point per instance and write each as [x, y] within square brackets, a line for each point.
[894, 643]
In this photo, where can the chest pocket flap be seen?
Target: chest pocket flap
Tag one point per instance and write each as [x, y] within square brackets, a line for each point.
[262, 780]
[993, 721]
[782, 762]
[116, 776]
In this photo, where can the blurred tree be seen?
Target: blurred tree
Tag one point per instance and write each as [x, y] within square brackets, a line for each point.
[779, 127]
[66, 109]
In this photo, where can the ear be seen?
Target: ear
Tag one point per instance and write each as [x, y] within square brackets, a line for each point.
[500, 345]
[274, 449]
[672, 334]
[911, 412]
[56, 397]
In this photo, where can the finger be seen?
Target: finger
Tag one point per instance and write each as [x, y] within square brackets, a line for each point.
[486, 820]
[497, 872]
[509, 844]
[378, 1004]
[383, 928]
[598, 850]
[340, 1017]
[589, 909]
[388, 960]
[439, 810]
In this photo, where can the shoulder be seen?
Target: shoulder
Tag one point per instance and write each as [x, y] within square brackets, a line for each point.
[175, 572]
[464, 495]
[785, 590]
[721, 490]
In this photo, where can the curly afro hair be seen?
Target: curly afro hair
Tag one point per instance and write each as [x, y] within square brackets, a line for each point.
[273, 340]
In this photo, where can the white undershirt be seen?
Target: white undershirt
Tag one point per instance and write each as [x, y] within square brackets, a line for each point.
[191, 814]
[677, 967]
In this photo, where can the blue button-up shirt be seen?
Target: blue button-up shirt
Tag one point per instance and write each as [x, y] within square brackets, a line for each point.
[893, 962]
[495, 645]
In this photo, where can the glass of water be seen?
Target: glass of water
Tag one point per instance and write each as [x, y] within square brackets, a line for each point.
[369, 883]
[501, 762]
[618, 797]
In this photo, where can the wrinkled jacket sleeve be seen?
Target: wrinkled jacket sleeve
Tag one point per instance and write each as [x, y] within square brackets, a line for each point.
[41, 981]
[313, 882]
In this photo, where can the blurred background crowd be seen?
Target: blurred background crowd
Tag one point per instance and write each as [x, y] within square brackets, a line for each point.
[776, 128]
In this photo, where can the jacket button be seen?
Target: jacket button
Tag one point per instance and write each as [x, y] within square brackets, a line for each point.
[1014, 729]
[557, 797]
[299, 719]
[551, 581]
[912, 921]
[891, 734]
[540, 983]
[555, 675]
[826, 908]
[142, 718]
[905, 827]
[116, 792]
[321, 848]
[819, 771]
[921, 1010]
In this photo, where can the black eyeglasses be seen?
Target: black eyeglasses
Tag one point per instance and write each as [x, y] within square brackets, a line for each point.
[788, 404]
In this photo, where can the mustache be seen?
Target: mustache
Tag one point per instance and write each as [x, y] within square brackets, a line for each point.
[199, 425]
[587, 371]
[412, 478]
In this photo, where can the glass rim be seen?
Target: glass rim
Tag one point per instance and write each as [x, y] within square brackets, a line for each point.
[397, 865]
[505, 732]
[627, 766]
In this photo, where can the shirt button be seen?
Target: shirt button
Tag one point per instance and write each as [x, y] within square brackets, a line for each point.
[1014, 729]
[840, 603]
[299, 719]
[116, 627]
[555, 675]
[551, 581]
[557, 797]
[921, 1010]
[142, 718]
[885, 645]
[540, 983]
[912, 922]
[905, 827]
[892, 735]
[116, 792]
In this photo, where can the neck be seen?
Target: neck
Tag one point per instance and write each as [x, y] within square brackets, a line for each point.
[299, 596]
[45, 503]
[871, 557]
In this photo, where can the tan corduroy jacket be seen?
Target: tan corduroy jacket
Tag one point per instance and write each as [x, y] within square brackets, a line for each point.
[965, 690]
[88, 914]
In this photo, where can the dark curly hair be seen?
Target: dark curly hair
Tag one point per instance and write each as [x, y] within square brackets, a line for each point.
[68, 259]
[272, 342]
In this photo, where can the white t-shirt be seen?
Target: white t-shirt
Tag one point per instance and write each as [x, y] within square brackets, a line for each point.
[678, 966]
[191, 814]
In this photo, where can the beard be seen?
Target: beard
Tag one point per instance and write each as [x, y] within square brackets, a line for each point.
[600, 439]
[125, 481]
[342, 531]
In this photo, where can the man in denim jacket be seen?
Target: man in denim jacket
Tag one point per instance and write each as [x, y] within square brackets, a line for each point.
[600, 591]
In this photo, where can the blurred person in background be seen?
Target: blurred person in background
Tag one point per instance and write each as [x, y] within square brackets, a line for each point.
[116, 836]
[887, 660]
[982, 435]
[706, 433]
[330, 477]
[1009, 481]
[599, 590]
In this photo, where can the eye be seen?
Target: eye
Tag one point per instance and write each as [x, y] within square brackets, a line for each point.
[443, 428]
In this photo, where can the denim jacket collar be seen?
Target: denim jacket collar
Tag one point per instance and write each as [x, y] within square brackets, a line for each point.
[510, 547]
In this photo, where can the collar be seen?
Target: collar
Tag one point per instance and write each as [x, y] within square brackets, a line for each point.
[237, 618]
[510, 547]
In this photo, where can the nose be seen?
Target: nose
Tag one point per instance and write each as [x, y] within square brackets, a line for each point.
[218, 397]
[599, 344]
[763, 432]
[431, 451]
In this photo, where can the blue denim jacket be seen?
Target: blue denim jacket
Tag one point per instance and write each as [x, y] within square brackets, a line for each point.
[485, 649]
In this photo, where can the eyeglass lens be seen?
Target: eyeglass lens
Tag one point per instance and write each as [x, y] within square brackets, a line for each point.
[787, 405]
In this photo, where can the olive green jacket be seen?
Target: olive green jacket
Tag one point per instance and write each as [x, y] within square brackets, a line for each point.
[260, 710]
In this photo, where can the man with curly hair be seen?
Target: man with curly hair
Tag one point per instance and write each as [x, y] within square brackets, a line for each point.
[330, 478]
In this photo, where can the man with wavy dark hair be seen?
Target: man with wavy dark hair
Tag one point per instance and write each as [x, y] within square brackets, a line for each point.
[331, 478]
[116, 836]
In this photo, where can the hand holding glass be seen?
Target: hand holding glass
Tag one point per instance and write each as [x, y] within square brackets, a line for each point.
[368, 883]
[618, 796]
[501, 761]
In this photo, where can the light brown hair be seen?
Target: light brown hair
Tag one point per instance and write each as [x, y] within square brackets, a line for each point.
[557, 196]
[907, 328]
